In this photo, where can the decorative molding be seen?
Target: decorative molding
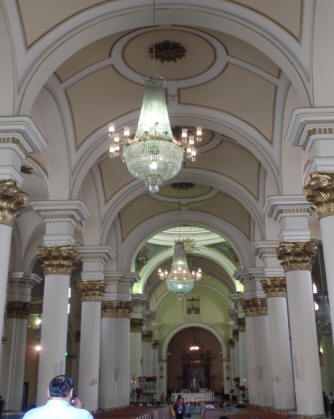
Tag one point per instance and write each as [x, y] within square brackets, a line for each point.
[167, 51]
[18, 309]
[155, 344]
[320, 192]
[255, 307]
[12, 201]
[91, 290]
[235, 334]
[58, 260]
[147, 335]
[231, 343]
[274, 287]
[292, 205]
[296, 256]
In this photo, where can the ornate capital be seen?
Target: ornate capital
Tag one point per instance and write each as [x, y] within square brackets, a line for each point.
[241, 322]
[18, 309]
[231, 343]
[91, 290]
[58, 259]
[12, 201]
[274, 286]
[320, 192]
[136, 325]
[235, 334]
[297, 256]
[119, 309]
[155, 344]
[255, 307]
[147, 336]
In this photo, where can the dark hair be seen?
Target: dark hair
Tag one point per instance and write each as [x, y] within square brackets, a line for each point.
[60, 386]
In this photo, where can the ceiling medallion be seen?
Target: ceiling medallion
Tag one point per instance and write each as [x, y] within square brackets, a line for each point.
[182, 186]
[167, 51]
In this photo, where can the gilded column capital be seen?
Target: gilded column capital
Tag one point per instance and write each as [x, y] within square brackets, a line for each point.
[60, 260]
[12, 201]
[91, 290]
[147, 335]
[297, 256]
[18, 309]
[136, 325]
[155, 344]
[255, 307]
[241, 322]
[235, 334]
[274, 286]
[320, 192]
[118, 309]
[231, 343]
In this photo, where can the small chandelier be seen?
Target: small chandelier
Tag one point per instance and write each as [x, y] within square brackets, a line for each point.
[180, 280]
[153, 154]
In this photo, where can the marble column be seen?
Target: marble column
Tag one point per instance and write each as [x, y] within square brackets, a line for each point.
[58, 260]
[109, 357]
[136, 327]
[124, 361]
[155, 358]
[283, 385]
[227, 374]
[12, 202]
[241, 322]
[260, 351]
[19, 137]
[147, 337]
[252, 376]
[92, 288]
[19, 296]
[296, 260]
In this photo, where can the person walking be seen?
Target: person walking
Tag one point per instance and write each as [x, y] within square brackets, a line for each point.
[179, 407]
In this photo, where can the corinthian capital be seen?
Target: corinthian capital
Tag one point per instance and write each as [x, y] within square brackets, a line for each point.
[297, 256]
[255, 307]
[274, 286]
[91, 290]
[12, 201]
[320, 192]
[58, 259]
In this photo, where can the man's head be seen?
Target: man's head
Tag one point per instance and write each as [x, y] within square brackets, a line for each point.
[61, 387]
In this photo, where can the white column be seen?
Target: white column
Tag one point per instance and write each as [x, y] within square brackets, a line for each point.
[227, 375]
[58, 259]
[147, 352]
[296, 253]
[136, 349]
[252, 380]
[242, 352]
[92, 288]
[124, 342]
[19, 137]
[19, 296]
[282, 378]
[109, 366]
[304, 343]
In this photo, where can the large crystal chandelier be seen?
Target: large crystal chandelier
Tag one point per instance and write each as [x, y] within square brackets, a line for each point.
[153, 154]
[180, 280]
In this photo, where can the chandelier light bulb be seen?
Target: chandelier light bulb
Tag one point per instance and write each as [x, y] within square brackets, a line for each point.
[111, 129]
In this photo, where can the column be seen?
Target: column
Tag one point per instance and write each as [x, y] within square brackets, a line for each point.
[19, 296]
[241, 322]
[232, 364]
[147, 337]
[235, 334]
[109, 361]
[283, 386]
[136, 327]
[296, 253]
[12, 202]
[252, 376]
[18, 138]
[297, 262]
[227, 374]
[124, 362]
[260, 347]
[92, 289]
[328, 367]
[58, 260]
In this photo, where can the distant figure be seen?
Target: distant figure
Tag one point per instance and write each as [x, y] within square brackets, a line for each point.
[61, 404]
[179, 407]
[2, 402]
[330, 399]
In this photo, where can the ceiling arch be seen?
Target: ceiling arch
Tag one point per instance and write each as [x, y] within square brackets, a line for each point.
[38, 63]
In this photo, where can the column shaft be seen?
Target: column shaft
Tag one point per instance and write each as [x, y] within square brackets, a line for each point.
[136, 355]
[5, 244]
[109, 371]
[54, 332]
[90, 353]
[242, 358]
[252, 382]
[124, 362]
[304, 343]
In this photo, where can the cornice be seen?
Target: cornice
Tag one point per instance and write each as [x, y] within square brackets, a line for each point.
[286, 205]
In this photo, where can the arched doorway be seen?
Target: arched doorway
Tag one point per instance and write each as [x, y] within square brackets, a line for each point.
[194, 361]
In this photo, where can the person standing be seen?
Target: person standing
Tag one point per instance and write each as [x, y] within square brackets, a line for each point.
[179, 407]
[61, 402]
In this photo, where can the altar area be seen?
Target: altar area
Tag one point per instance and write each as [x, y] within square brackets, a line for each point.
[200, 397]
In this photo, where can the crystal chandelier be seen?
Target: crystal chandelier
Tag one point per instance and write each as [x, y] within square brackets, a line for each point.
[180, 280]
[153, 154]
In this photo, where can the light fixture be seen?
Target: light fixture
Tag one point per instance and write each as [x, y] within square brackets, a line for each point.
[180, 280]
[153, 154]
[194, 346]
